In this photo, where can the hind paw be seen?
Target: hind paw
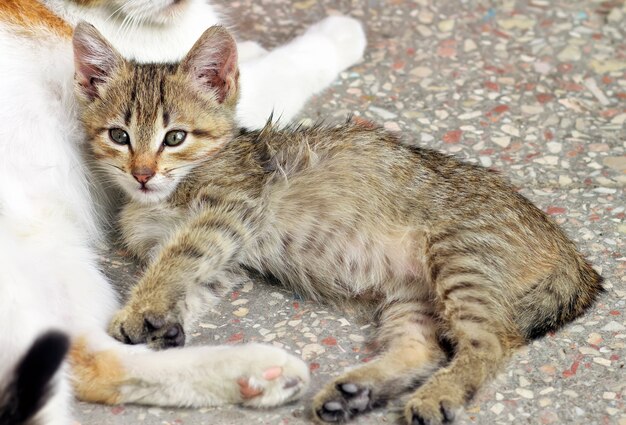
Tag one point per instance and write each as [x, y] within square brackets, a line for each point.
[249, 50]
[425, 410]
[342, 401]
[347, 36]
[273, 377]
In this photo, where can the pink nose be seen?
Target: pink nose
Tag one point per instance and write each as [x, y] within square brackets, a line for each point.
[143, 174]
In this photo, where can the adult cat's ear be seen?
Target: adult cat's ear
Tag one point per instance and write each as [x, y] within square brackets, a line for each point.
[212, 64]
[94, 59]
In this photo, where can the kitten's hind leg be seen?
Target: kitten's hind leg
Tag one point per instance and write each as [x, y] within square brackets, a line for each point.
[412, 353]
[482, 342]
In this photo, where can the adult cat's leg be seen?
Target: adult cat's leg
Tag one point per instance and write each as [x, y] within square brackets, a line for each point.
[107, 371]
[408, 333]
[476, 322]
[249, 50]
[282, 80]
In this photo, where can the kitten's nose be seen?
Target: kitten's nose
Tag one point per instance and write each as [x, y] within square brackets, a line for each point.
[143, 174]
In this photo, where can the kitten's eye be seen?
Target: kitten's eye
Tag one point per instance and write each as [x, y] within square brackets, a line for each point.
[119, 136]
[175, 137]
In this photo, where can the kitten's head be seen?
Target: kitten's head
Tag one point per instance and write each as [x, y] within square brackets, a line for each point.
[151, 11]
[149, 125]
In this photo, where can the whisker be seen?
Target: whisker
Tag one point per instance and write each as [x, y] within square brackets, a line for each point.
[121, 27]
[114, 166]
[115, 12]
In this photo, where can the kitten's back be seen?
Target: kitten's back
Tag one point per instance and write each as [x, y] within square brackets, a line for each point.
[331, 181]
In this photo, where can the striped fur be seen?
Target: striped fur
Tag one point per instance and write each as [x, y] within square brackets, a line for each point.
[446, 251]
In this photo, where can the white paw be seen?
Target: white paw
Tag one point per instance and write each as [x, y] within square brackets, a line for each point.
[273, 377]
[249, 50]
[346, 34]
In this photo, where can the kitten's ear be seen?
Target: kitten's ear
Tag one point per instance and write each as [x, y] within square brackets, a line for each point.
[212, 64]
[94, 59]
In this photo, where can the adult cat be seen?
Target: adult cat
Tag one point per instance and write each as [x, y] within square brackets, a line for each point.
[49, 274]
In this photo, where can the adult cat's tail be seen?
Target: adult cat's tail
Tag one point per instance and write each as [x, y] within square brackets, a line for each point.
[30, 386]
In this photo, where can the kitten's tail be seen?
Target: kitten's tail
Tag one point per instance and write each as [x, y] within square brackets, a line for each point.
[560, 298]
[30, 386]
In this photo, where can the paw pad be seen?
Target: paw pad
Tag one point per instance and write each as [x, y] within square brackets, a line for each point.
[167, 336]
[349, 400]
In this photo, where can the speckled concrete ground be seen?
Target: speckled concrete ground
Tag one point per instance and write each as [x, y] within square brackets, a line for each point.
[535, 89]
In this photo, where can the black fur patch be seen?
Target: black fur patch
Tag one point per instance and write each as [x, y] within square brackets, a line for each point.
[30, 388]
[448, 346]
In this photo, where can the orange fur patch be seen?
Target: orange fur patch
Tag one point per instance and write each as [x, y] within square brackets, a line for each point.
[96, 376]
[30, 16]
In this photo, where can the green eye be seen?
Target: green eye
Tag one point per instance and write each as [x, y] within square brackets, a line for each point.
[119, 136]
[174, 137]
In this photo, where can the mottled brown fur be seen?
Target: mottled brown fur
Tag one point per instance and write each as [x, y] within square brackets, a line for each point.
[446, 250]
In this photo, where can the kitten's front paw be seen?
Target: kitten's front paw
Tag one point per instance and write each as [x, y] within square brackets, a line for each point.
[158, 331]
[346, 34]
[273, 377]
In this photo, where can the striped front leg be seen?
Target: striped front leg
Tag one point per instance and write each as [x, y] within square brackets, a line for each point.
[195, 267]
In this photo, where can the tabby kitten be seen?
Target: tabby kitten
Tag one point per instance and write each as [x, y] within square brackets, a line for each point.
[447, 251]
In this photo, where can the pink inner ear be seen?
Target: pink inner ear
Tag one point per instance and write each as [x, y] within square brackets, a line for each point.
[212, 63]
[220, 76]
[211, 78]
[223, 78]
[94, 59]
[89, 77]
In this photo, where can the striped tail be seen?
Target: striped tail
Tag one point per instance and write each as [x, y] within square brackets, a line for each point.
[559, 299]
